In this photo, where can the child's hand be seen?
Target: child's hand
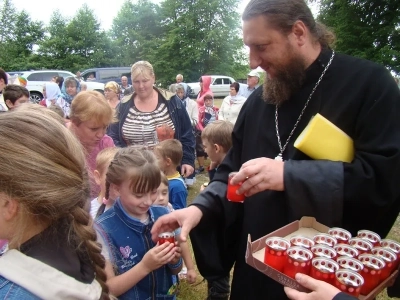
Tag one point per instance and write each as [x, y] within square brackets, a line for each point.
[191, 276]
[159, 256]
[178, 254]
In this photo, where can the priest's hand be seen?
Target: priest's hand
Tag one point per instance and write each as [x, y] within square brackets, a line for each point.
[320, 290]
[186, 170]
[258, 175]
[186, 218]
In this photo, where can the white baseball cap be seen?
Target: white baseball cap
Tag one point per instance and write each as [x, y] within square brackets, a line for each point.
[254, 73]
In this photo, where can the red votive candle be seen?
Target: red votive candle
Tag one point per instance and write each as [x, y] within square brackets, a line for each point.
[231, 190]
[346, 250]
[349, 282]
[349, 263]
[341, 235]
[324, 269]
[275, 252]
[298, 260]
[394, 246]
[166, 237]
[301, 241]
[363, 246]
[323, 251]
[370, 236]
[325, 239]
[390, 259]
[373, 267]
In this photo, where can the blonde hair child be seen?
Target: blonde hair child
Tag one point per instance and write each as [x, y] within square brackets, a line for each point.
[43, 193]
[136, 266]
[188, 270]
[102, 202]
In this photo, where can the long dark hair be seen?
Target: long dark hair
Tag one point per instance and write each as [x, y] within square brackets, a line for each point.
[282, 14]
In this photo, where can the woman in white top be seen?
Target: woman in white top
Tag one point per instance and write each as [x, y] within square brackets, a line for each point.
[231, 105]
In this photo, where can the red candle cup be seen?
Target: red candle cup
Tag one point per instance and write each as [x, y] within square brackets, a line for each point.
[394, 246]
[323, 251]
[301, 241]
[324, 269]
[340, 234]
[363, 246]
[231, 190]
[370, 236]
[298, 260]
[390, 259]
[275, 252]
[349, 282]
[325, 239]
[349, 263]
[346, 250]
[373, 267]
[166, 237]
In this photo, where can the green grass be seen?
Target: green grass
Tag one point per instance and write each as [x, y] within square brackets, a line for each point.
[198, 291]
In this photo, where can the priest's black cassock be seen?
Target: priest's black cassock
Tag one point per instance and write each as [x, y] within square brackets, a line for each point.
[362, 99]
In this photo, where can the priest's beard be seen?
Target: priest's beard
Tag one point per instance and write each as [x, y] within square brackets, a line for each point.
[289, 78]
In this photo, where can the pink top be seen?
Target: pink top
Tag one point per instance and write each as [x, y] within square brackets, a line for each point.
[205, 90]
[105, 142]
[3, 243]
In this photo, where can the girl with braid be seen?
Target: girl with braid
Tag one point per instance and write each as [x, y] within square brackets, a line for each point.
[44, 191]
[136, 266]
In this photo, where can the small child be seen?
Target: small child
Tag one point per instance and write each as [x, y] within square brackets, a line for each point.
[15, 95]
[169, 155]
[217, 140]
[103, 202]
[57, 109]
[163, 194]
[207, 113]
[136, 266]
[188, 270]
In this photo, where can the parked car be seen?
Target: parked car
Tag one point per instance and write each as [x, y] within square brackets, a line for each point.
[220, 85]
[105, 75]
[36, 80]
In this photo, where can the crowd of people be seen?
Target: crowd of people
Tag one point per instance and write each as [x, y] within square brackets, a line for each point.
[91, 182]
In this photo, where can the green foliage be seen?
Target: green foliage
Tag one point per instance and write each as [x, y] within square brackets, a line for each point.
[192, 37]
[18, 36]
[136, 31]
[200, 37]
[76, 44]
[365, 28]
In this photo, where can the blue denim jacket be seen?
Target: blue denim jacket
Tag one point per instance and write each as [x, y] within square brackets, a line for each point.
[129, 240]
[179, 116]
[10, 290]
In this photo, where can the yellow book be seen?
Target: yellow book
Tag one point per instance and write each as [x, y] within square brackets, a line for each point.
[322, 139]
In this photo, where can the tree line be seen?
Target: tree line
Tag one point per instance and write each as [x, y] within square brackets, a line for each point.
[192, 37]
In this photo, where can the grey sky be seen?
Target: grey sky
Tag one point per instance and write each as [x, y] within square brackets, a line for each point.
[105, 11]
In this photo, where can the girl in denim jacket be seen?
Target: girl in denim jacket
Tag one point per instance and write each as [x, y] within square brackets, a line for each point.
[136, 266]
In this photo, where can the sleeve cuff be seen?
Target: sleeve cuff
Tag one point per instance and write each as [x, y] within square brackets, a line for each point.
[177, 265]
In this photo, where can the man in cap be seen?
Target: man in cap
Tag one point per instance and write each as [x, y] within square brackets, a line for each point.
[253, 79]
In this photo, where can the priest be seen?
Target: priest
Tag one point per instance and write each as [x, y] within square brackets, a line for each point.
[304, 76]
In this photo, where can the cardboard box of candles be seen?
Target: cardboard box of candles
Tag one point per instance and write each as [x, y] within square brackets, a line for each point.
[362, 266]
